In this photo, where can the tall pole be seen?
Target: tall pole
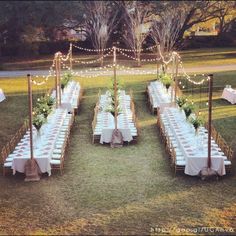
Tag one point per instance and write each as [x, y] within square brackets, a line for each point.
[30, 116]
[31, 166]
[176, 74]
[157, 63]
[173, 76]
[71, 57]
[115, 84]
[56, 80]
[59, 76]
[210, 79]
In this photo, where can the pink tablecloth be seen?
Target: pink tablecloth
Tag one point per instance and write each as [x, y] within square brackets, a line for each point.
[230, 95]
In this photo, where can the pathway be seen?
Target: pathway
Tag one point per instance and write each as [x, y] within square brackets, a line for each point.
[197, 69]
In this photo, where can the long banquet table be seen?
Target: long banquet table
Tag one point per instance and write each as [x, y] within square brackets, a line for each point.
[70, 95]
[43, 146]
[230, 95]
[159, 97]
[193, 147]
[105, 122]
[45, 143]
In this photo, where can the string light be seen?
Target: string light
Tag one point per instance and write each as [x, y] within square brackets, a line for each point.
[94, 61]
[134, 58]
[91, 50]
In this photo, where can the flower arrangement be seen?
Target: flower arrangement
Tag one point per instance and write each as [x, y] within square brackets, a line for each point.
[196, 122]
[166, 80]
[44, 106]
[188, 109]
[181, 101]
[111, 109]
[46, 100]
[38, 120]
[65, 80]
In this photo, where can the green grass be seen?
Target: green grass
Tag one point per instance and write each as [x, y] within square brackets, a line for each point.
[198, 57]
[114, 191]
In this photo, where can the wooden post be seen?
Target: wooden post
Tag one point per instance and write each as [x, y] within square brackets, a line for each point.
[115, 85]
[59, 76]
[71, 59]
[210, 78]
[30, 116]
[157, 64]
[56, 79]
[173, 76]
[31, 167]
[176, 75]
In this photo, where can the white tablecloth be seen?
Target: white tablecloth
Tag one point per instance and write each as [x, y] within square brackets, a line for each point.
[159, 97]
[105, 122]
[43, 147]
[108, 125]
[230, 95]
[2, 96]
[194, 147]
[70, 95]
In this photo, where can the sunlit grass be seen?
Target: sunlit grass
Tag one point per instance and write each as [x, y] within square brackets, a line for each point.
[106, 191]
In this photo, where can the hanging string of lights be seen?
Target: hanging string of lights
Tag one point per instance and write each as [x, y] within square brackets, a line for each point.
[91, 50]
[94, 61]
[134, 58]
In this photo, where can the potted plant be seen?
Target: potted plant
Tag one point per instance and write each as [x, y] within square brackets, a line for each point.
[188, 109]
[196, 122]
[181, 101]
[166, 80]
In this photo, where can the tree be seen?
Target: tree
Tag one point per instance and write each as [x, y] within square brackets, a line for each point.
[165, 29]
[192, 13]
[137, 17]
[225, 13]
[20, 18]
[100, 22]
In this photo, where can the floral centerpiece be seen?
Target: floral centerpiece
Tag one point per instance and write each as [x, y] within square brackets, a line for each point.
[65, 80]
[46, 100]
[42, 108]
[196, 122]
[166, 80]
[181, 101]
[38, 120]
[188, 109]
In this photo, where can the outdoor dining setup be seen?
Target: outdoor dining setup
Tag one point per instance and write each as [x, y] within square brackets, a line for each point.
[192, 148]
[104, 122]
[229, 94]
[40, 144]
[114, 115]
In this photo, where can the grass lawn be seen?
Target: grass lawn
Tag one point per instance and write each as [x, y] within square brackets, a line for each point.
[198, 57]
[115, 191]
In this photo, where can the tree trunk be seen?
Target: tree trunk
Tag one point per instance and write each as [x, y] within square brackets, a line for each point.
[102, 61]
[139, 59]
